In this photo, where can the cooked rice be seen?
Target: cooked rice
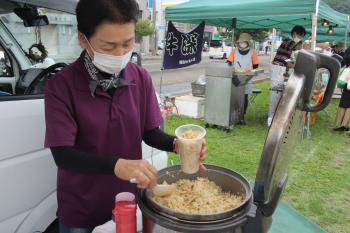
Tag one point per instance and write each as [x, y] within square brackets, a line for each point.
[199, 196]
[191, 134]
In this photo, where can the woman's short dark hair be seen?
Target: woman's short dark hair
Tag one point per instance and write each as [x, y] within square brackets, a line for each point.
[300, 30]
[92, 13]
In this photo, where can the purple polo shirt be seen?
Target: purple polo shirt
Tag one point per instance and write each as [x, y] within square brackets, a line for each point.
[104, 125]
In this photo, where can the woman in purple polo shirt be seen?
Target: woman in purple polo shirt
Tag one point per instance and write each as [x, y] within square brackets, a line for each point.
[98, 111]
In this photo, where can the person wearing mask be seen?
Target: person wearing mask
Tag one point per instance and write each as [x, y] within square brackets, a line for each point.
[280, 66]
[244, 57]
[98, 110]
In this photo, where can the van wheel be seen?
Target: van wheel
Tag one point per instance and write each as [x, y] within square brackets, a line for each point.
[224, 56]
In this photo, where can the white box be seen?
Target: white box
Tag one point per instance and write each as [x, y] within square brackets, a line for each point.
[189, 105]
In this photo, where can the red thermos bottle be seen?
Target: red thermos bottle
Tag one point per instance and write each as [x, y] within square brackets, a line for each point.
[125, 213]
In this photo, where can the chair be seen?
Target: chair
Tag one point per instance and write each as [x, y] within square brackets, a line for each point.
[252, 98]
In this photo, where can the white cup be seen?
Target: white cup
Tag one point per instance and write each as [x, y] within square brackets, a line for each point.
[190, 148]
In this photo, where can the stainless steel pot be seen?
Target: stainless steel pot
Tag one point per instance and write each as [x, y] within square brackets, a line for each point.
[157, 218]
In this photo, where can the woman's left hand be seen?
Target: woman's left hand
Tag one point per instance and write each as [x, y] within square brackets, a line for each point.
[202, 156]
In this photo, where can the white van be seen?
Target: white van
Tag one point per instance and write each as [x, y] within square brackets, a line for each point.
[27, 170]
[219, 49]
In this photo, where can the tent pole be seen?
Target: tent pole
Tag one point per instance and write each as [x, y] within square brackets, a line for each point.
[234, 26]
[313, 48]
[346, 33]
[314, 26]
[314, 32]
[162, 69]
[273, 43]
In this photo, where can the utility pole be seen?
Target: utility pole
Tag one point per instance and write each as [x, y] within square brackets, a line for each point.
[154, 19]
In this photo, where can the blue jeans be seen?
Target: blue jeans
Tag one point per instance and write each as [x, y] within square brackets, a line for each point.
[65, 229]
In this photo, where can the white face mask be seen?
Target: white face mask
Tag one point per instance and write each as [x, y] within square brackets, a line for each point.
[243, 45]
[328, 53]
[109, 63]
[297, 39]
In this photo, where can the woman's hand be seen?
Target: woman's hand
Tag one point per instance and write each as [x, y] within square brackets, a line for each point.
[142, 170]
[202, 156]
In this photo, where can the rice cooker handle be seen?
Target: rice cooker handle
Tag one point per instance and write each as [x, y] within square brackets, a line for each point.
[333, 67]
[269, 207]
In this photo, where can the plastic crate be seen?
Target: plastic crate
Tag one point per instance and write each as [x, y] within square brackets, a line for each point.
[198, 89]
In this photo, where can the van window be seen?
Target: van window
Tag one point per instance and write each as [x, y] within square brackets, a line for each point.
[59, 37]
[58, 41]
[216, 43]
[5, 64]
[7, 79]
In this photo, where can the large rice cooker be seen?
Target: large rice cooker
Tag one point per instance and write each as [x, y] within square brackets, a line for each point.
[253, 215]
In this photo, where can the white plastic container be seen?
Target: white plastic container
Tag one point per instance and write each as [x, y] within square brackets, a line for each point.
[191, 106]
[189, 149]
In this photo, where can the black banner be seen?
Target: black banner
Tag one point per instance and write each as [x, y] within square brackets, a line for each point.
[183, 49]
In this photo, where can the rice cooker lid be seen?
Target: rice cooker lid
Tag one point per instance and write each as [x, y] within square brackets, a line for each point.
[286, 130]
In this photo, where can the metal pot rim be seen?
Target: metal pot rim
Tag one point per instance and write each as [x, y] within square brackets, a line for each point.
[202, 217]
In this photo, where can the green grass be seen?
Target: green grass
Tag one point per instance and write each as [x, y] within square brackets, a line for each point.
[319, 172]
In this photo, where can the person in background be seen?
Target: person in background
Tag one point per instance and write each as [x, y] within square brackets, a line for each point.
[205, 46]
[343, 114]
[346, 58]
[244, 57]
[98, 110]
[280, 65]
[338, 52]
[338, 48]
[283, 62]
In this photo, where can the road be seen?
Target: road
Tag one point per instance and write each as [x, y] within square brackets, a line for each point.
[179, 81]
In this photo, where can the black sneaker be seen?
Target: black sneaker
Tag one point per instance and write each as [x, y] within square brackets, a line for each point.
[341, 129]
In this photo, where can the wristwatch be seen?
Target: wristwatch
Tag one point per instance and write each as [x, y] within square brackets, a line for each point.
[175, 145]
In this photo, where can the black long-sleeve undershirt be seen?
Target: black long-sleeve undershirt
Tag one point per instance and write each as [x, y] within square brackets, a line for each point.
[72, 159]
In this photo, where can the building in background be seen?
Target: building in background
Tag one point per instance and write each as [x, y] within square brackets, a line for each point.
[143, 14]
[60, 36]
[209, 31]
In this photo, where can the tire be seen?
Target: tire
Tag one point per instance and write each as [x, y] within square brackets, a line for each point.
[224, 56]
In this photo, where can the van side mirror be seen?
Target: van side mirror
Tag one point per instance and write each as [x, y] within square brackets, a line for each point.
[31, 17]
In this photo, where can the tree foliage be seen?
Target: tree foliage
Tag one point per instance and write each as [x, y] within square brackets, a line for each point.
[144, 27]
[258, 35]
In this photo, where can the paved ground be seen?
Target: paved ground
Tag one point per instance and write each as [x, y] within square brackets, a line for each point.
[178, 81]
